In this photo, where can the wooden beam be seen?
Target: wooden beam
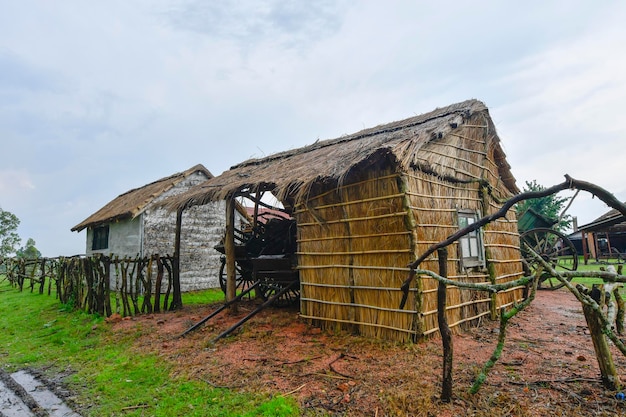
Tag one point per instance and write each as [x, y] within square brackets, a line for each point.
[229, 249]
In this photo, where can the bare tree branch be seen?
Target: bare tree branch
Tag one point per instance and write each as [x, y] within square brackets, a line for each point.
[569, 183]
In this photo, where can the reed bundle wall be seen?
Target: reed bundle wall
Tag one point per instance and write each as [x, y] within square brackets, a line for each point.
[354, 244]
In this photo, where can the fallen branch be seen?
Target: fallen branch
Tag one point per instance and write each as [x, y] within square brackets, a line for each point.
[553, 381]
[135, 407]
[332, 368]
[301, 360]
[293, 390]
[329, 376]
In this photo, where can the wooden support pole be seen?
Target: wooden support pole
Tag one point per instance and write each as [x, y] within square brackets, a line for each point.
[585, 248]
[258, 196]
[177, 299]
[444, 329]
[619, 318]
[229, 249]
[608, 373]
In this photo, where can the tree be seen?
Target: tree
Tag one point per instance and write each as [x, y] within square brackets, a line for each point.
[549, 207]
[9, 239]
[29, 251]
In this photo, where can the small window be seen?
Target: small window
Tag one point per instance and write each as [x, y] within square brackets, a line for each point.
[471, 250]
[100, 238]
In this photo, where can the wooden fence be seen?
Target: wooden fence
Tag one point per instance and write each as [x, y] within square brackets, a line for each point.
[94, 283]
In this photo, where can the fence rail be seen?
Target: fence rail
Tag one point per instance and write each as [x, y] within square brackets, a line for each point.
[93, 283]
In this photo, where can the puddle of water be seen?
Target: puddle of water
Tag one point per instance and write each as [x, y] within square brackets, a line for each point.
[43, 396]
[11, 405]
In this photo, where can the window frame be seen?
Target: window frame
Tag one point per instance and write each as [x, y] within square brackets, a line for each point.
[100, 238]
[472, 242]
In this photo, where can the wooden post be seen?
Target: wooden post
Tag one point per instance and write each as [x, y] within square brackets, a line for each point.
[608, 245]
[177, 299]
[229, 249]
[619, 318]
[257, 198]
[444, 329]
[583, 237]
[608, 373]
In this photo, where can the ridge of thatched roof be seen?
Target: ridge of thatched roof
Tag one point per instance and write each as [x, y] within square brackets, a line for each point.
[133, 202]
[289, 173]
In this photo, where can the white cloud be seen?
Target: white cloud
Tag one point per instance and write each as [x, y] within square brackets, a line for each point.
[14, 182]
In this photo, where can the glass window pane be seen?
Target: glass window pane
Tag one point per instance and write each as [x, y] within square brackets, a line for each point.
[465, 247]
[473, 243]
[462, 222]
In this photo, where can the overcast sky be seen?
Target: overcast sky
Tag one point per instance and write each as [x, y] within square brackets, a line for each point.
[97, 98]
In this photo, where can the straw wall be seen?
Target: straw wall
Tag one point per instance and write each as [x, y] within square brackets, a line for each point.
[354, 245]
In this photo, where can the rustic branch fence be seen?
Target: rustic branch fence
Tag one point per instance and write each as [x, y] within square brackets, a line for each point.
[93, 283]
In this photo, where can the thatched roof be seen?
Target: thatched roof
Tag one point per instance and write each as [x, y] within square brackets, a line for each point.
[290, 173]
[610, 222]
[132, 203]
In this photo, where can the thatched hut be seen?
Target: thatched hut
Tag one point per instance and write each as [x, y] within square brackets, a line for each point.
[368, 204]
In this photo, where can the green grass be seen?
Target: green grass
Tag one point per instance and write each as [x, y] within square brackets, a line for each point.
[211, 296]
[107, 377]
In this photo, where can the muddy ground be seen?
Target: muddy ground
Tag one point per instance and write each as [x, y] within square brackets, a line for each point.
[547, 367]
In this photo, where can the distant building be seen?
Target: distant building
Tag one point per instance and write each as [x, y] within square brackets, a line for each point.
[133, 225]
[603, 238]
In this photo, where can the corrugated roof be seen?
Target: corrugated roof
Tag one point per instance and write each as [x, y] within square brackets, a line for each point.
[133, 202]
[290, 173]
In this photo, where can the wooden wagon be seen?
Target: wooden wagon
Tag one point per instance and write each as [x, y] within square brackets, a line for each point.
[265, 258]
[265, 266]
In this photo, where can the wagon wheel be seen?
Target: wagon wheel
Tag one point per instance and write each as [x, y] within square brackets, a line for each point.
[243, 277]
[268, 287]
[555, 248]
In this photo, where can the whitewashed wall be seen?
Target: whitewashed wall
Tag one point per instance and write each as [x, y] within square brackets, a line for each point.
[202, 229]
[124, 239]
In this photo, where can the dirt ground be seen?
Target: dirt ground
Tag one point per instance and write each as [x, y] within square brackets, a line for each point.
[547, 367]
